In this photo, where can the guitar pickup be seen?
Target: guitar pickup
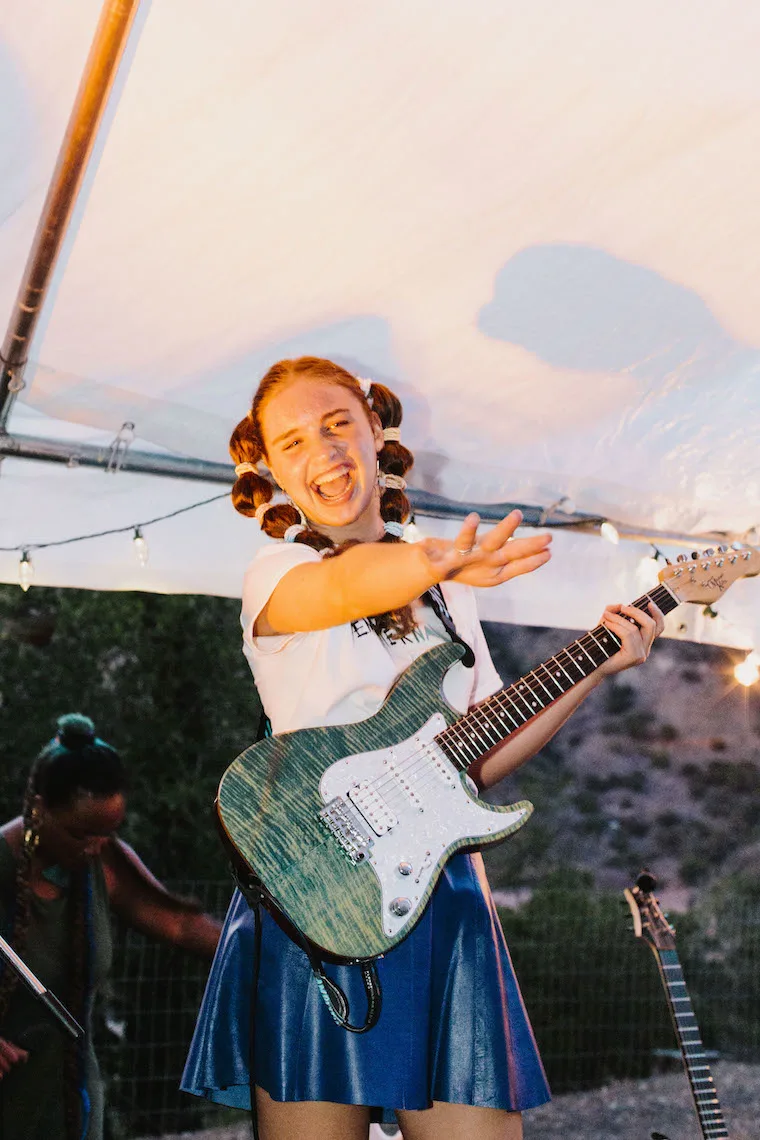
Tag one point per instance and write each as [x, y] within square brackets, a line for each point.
[373, 808]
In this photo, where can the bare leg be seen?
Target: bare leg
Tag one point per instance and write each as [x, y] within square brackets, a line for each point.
[310, 1119]
[460, 1122]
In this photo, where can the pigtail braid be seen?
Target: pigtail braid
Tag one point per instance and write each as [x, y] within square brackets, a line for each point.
[393, 459]
[252, 489]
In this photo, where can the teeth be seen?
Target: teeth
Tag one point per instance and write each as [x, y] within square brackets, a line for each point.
[333, 487]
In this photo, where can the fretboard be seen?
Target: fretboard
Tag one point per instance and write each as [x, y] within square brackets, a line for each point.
[497, 717]
[703, 1091]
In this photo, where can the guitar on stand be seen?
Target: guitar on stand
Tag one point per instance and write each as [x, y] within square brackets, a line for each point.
[651, 925]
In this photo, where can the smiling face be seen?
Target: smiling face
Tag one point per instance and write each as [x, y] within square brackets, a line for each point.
[322, 448]
[72, 834]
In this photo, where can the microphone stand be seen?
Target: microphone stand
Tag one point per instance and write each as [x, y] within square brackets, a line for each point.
[56, 1007]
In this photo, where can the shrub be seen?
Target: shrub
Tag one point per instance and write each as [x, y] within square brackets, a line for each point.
[586, 980]
[619, 698]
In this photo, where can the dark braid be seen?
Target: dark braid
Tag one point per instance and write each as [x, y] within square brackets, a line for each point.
[254, 488]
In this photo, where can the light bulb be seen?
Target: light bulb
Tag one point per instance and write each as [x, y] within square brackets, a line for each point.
[608, 531]
[747, 672]
[647, 572]
[140, 547]
[412, 532]
[25, 571]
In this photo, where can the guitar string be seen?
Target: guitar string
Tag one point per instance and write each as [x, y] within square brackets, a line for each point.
[470, 745]
[474, 740]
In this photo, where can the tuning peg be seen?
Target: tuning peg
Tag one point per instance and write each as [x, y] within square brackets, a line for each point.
[722, 549]
[681, 558]
[736, 546]
[694, 555]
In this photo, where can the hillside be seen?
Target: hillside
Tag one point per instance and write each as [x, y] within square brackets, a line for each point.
[660, 766]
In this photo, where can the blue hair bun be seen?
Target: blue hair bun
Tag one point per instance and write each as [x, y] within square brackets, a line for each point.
[75, 730]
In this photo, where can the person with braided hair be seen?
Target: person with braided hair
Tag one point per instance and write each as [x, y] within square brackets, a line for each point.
[62, 872]
[331, 615]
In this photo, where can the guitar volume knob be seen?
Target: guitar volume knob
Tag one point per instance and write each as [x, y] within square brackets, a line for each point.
[400, 906]
[405, 868]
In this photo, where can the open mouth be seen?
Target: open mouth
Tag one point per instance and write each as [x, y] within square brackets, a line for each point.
[334, 488]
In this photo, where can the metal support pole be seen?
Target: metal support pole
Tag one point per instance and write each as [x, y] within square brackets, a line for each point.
[111, 36]
[423, 502]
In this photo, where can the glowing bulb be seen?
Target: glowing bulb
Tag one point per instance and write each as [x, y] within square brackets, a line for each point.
[747, 672]
[647, 572]
[25, 571]
[140, 547]
[608, 531]
[412, 532]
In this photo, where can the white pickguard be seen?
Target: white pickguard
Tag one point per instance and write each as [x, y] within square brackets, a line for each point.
[409, 803]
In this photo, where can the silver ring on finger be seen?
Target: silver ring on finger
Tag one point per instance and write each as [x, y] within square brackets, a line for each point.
[463, 552]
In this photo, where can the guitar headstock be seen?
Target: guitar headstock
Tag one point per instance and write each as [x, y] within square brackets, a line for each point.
[649, 922]
[705, 577]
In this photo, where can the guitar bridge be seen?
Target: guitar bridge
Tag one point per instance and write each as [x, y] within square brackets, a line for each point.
[340, 821]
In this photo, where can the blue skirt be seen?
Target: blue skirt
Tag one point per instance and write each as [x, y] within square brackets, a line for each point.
[453, 1026]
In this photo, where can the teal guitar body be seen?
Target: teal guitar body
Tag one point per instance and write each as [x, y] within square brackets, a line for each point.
[349, 827]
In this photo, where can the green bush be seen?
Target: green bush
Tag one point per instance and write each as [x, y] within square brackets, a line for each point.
[592, 993]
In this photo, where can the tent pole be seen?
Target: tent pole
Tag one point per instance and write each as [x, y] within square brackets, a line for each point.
[107, 48]
[423, 503]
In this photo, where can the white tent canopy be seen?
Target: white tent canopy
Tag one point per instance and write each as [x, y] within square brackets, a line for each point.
[537, 223]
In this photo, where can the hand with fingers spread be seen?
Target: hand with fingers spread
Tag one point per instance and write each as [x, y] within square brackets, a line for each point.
[10, 1055]
[492, 559]
[636, 630]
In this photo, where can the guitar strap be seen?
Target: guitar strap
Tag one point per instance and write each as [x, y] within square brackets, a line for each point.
[435, 598]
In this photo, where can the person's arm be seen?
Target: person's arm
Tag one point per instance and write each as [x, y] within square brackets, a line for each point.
[373, 577]
[636, 630]
[145, 903]
[10, 1055]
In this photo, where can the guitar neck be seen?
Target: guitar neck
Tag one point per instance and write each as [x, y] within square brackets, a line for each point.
[701, 1083]
[497, 717]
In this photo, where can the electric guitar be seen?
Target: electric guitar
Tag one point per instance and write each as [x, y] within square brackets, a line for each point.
[650, 924]
[347, 828]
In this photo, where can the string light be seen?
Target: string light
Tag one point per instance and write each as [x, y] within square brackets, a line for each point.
[610, 532]
[412, 532]
[747, 672]
[647, 571]
[140, 547]
[25, 571]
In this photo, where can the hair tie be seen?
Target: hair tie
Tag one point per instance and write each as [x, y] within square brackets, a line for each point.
[242, 468]
[394, 482]
[366, 387]
[262, 508]
[394, 528]
[293, 531]
[392, 434]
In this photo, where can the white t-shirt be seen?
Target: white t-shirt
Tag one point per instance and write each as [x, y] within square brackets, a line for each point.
[343, 674]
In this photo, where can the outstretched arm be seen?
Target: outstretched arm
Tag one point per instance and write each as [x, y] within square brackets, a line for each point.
[373, 577]
[636, 630]
[145, 903]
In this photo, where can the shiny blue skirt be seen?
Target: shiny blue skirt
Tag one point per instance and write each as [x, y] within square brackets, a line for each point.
[453, 1026]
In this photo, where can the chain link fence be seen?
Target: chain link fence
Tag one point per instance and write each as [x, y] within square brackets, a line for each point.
[592, 990]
